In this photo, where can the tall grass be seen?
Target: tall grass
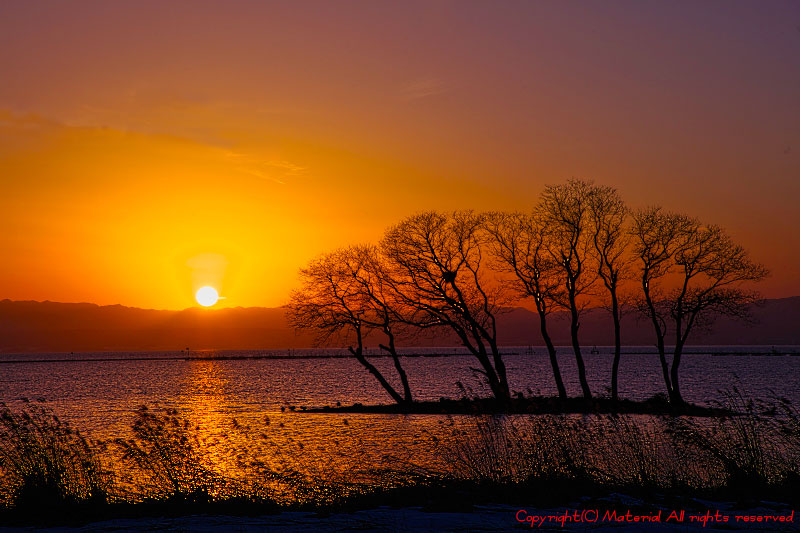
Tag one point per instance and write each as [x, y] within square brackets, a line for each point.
[787, 422]
[45, 463]
[752, 453]
[509, 450]
[165, 460]
[741, 450]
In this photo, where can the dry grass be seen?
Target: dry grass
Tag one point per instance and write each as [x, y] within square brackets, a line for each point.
[755, 452]
[166, 461]
[44, 462]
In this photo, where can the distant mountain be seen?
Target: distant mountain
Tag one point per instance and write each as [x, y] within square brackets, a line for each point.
[776, 322]
[65, 327]
[27, 326]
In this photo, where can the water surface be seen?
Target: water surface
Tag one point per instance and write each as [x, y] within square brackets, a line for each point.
[98, 392]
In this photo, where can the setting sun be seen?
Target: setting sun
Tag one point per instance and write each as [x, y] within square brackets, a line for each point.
[263, 257]
[206, 296]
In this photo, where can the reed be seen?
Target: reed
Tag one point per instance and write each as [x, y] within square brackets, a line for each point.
[752, 453]
[168, 463]
[165, 460]
[45, 463]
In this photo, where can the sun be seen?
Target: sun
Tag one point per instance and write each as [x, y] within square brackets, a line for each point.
[206, 296]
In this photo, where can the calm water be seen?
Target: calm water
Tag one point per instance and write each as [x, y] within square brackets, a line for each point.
[99, 395]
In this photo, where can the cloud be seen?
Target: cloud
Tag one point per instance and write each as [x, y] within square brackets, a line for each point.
[123, 149]
[273, 170]
[423, 88]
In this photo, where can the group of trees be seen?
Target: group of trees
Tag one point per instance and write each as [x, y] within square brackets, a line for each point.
[579, 247]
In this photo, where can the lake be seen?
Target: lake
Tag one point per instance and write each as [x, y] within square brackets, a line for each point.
[98, 392]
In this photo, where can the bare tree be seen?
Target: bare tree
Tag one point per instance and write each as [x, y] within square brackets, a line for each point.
[611, 240]
[713, 274]
[566, 214]
[518, 243]
[690, 275]
[656, 237]
[438, 271]
[368, 269]
[340, 297]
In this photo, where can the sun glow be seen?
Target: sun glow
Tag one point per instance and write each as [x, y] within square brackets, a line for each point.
[206, 296]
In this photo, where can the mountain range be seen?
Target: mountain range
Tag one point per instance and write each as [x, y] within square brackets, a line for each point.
[28, 326]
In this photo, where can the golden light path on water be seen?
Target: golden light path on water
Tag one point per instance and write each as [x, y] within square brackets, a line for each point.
[233, 438]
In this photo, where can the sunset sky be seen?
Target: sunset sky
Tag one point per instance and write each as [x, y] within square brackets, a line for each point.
[151, 147]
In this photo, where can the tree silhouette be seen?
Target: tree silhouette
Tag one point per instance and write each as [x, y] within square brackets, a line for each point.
[384, 311]
[690, 275]
[458, 272]
[566, 214]
[437, 270]
[611, 239]
[341, 295]
[518, 243]
[656, 237]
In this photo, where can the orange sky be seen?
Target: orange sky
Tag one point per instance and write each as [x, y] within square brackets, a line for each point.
[147, 148]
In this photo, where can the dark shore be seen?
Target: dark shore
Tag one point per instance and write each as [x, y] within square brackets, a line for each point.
[538, 405]
[433, 506]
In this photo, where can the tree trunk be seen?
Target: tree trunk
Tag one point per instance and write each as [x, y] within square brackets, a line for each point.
[499, 390]
[400, 371]
[551, 350]
[499, 387]
[497, 383]
[500, 369]
[576, 347]
[375, 372]
[617, 347]
[662, 356]
[675, 397]
[494, 383]
[403, 378]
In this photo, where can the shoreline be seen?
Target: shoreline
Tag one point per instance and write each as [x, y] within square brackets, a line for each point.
[536, 405]
[445, 507]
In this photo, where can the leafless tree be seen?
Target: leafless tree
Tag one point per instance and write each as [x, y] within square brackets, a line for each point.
[565, 211]
[656, 238]
[518, 243]
[611, 239]
[384, 310]
[714, 273]
[341, 296]
[456, 272]
[437, 270]
[690, 275]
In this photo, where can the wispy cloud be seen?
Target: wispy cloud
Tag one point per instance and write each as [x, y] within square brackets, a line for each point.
[29, 132]
[423, 88]
[275, 170]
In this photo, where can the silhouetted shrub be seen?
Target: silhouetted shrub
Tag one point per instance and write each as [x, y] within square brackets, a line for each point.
[166, 460]
[45, 463]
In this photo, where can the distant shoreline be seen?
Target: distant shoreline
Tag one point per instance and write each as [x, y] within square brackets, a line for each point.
[538, 405]
[775, 351]
[182, 357]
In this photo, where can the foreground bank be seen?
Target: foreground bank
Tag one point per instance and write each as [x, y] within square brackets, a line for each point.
[52, 474]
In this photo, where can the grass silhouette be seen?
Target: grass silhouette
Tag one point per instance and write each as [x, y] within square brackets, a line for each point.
[44, 462]
[166, 466]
